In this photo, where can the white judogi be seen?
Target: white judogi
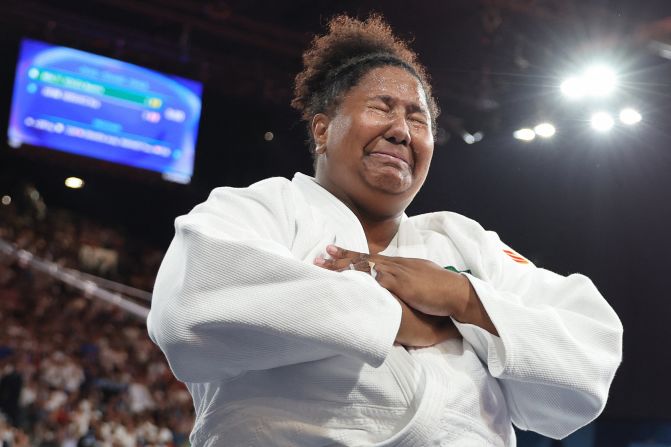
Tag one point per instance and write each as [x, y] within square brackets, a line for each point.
[279, 352]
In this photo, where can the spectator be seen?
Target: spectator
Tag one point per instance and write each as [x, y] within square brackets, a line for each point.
[87, 372]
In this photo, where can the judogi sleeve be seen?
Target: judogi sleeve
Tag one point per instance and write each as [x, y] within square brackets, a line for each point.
[559, 341]
[230, 297]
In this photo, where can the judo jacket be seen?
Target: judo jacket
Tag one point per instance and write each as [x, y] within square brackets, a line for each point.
[276, 351]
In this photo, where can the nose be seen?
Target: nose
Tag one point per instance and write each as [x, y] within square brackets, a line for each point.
[398, 131]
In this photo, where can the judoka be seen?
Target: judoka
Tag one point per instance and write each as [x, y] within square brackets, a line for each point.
[315, 312]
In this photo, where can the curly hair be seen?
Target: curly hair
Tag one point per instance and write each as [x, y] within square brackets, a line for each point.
[336, 62]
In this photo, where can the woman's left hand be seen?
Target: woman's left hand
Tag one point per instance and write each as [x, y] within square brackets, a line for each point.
[422, 284]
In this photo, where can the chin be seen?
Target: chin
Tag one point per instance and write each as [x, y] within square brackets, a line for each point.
[391, 183]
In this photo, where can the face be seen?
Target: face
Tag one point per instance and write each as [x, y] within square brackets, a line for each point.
[375, 151]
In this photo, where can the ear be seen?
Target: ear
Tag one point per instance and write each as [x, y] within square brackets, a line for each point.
[320, 127]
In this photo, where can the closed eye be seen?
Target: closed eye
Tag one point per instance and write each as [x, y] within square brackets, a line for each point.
[418, 119]
[381, 107]
[381, 103]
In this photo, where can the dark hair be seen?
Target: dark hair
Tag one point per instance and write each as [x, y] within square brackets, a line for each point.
[336, 62]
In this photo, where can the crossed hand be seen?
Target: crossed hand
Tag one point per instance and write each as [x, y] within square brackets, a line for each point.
[428, 293]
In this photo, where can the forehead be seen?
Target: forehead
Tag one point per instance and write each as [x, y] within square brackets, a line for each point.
[391, 81]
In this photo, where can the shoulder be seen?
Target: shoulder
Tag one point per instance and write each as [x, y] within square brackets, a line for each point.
[447, 223]
[270, 188]
[467, 235]
[266, 206]
[271, 194]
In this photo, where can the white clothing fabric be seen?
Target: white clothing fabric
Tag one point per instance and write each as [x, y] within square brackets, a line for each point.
[279, 352]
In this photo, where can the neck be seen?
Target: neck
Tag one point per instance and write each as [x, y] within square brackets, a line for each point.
[380, 223]
[379, 233]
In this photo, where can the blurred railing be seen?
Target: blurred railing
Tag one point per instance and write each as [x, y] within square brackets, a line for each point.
[92, 286]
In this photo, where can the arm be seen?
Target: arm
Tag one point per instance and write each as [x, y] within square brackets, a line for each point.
[558, 345]
[552, 341]
[471, 310]
[418, 329]
[230, 298]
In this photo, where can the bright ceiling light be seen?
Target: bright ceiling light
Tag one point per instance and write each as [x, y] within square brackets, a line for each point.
[524, 134]
[478, 136]
[470, 138]
[6, 200]
[630, 116]
[602, 121]
[573, 88]
[74, 182]
[545, 130]
[599, 80]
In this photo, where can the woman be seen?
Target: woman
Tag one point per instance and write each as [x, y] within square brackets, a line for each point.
[314, 312]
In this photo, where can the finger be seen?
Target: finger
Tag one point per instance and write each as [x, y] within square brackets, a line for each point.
[386, 278]
[343, 265]
[329, 264]
[361, 265]
[356, 259]
[336, 265]
[340, 253]
[347, 264]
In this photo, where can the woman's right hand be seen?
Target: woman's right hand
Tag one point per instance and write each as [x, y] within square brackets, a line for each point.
[419, 330]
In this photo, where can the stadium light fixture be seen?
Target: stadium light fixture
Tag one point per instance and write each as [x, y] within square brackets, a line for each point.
[630, 116]
[596, 81]
[524, 134]
[602, 121]
[545, 130]
[478, 136]
[472, 138]
[599, 81]
[74, 182]
[573, 88]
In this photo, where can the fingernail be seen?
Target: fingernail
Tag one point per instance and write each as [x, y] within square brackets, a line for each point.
[319, 260]
[331, 249]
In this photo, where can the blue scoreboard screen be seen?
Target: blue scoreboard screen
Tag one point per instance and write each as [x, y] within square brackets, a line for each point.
[96, 106]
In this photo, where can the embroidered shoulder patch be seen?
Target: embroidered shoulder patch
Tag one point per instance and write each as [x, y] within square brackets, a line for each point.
[516, 256]
[455, 270]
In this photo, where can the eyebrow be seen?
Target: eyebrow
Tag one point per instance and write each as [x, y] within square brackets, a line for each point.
[412, 107]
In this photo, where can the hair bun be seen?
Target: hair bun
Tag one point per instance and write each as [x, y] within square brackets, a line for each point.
[348, 42]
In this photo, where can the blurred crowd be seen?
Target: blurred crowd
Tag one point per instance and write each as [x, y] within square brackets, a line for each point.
[75, 371]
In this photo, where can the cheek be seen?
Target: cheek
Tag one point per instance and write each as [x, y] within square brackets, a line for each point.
[374, 118]
[353, 134]
[423, 158]
[424, 151]
[339, 129]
